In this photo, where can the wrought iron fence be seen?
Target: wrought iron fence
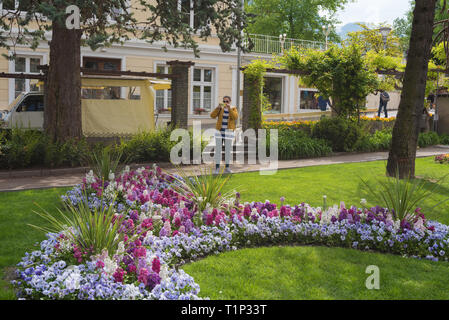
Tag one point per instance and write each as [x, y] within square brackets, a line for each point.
[270, 44]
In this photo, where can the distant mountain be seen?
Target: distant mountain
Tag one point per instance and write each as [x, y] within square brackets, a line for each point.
[349, 27]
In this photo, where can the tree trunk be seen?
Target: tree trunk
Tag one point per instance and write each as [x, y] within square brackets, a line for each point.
[402, 154]
[62, 116]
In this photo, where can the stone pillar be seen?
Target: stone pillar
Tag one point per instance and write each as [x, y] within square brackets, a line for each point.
[180, 93]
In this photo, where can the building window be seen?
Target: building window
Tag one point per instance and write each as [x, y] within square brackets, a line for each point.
[273, 91]
[202, 89]
[163, 97]
[187, 8]
[23, 64]
[308, 99]
[102, 64]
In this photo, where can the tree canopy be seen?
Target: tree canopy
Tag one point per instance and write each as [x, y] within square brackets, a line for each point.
[115, 21]
[300, 19]
[342, 74]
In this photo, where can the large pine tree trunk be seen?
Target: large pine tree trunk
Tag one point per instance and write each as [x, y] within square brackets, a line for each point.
[406, 129]
[62, 116]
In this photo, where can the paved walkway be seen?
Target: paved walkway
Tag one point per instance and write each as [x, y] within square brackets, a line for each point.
[70, 179]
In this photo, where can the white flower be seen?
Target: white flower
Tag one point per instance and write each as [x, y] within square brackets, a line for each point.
[72, 282]
[121, 248]
[90, 178]
[163, 273]
[109, 266]
[111, 176]
[363, 202]
[131, 292]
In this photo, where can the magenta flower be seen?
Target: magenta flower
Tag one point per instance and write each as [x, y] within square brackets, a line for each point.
[156, 265]
[143, 275]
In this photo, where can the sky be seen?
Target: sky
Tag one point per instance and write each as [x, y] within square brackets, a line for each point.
[373, 11]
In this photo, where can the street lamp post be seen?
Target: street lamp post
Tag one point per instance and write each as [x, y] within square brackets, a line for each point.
[282, 38]
[239, 65]
[327, 31]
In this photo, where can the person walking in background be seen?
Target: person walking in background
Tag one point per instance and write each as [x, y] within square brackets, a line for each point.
[226, 117]
[384, 98]
[322, 103]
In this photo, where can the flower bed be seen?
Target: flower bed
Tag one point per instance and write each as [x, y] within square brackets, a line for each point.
[162, 230]
[442, 158]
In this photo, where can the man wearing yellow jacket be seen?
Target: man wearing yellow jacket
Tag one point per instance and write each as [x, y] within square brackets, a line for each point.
[226, 117]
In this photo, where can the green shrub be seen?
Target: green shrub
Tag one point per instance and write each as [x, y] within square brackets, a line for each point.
[147, 146]
[342, 134]
[444, 139]
[28, 148]
[379, 141]
[152, 146]
[70, 153]
[428, 139]
[23, 148]
[294, 144]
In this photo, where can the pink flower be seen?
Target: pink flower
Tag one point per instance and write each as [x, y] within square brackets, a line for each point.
[143, 275]
[209, 219]
[177, 221]
[156, 265]
[118, 275]
[140, 252]
[147, 223]
[132, 268]
[100, 264]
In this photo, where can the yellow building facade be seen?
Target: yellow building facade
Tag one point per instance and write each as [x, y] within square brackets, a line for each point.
[213, 76]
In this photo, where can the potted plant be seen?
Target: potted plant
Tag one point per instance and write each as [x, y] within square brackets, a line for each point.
[199, 111]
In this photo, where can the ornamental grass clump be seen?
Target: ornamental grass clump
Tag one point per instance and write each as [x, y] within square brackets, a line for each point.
[105, 162]
[205, 189]
[90, 230]
[400, 196]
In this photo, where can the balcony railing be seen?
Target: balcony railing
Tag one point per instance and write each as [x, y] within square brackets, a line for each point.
[270, 44]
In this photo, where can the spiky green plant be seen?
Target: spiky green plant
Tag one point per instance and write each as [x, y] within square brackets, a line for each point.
[105, 161]
[204, 188]
[92, 230]
[400, 196]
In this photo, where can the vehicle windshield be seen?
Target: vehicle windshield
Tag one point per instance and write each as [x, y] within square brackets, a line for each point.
[12, 104]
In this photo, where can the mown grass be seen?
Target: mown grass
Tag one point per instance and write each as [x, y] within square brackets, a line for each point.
[291, 273]
[16, 237]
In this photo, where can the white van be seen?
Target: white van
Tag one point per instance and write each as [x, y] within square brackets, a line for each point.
[26, 111]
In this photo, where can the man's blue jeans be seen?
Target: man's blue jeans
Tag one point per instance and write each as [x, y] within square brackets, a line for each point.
[383, 104]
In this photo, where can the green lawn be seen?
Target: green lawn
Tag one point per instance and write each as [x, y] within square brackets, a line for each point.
[290, 273]
[273, 273]
[16, 237]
